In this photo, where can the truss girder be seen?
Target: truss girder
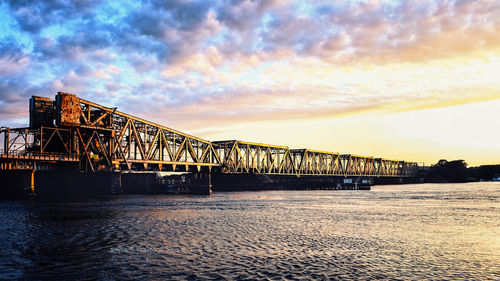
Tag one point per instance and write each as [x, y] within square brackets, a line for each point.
[134, 140]
[246, 157]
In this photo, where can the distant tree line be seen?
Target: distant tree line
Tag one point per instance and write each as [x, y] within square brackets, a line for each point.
[484, 172]
[457, 171]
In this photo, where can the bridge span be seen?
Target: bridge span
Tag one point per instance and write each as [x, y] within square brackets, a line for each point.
[70, 131]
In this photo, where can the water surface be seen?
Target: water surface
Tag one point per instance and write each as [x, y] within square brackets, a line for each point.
[407, 232]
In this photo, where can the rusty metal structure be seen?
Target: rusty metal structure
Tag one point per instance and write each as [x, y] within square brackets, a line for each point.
[92, 137]
[101, 138]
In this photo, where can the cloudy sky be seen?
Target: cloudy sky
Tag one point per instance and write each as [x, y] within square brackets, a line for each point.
[412, 80]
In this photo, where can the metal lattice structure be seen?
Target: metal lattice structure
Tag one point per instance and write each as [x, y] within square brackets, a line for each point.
[102, 138]
[19, 152]
[247, 157]
[95, 137]
[127, 141]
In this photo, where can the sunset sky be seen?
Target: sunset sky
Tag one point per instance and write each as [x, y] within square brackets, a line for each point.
[408, 80]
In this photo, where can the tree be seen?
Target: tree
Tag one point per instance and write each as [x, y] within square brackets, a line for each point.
[448, 171]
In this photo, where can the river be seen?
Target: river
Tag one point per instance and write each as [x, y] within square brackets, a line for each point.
[405, 232]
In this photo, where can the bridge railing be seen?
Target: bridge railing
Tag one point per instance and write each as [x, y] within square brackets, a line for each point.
[35, 155]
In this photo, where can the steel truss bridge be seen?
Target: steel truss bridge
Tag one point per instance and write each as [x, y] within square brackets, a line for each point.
[92, 137]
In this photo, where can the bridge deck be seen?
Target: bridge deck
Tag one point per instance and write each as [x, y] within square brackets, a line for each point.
[36, 157]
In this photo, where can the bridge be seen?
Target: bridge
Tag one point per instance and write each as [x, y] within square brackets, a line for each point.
[70, 131]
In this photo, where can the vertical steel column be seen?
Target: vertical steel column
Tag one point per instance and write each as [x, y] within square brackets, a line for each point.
[111, 146]
[209, 182]
[41, 139]
[6, 141]
[32, 180]
[26, 140]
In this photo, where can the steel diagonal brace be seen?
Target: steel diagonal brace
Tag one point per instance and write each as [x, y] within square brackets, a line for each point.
[48, 141]
[205, 154]
[99, 119]
[191, 150]
[214, 153]
[291, 165]
[181, 149]
[167, 146]
[85, 150]
[103, 149]
[123, 156]
[283, 162]
[152, 144]
[122, 132]
[83, 115]
[138, 140]
[62, 140]
[231, 151]
[241, 160]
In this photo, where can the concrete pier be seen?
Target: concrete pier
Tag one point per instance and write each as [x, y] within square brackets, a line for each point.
[72, 185]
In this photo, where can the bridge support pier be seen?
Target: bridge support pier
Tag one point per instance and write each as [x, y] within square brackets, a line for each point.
[71, 184]
[202, 183]
[16, 183]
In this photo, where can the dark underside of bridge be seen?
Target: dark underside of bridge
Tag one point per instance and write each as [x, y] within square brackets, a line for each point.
[74, 148]
[65, 183]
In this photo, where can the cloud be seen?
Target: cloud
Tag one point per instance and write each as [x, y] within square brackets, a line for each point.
[250, 60]
[178, 28]
[14, 99]
[247, 14]
[418, 31]
[32, 15]
[12, 58]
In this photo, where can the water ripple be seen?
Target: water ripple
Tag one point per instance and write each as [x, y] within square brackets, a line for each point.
[439, 232]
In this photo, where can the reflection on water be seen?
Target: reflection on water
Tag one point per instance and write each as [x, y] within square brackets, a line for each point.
[410, 232]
